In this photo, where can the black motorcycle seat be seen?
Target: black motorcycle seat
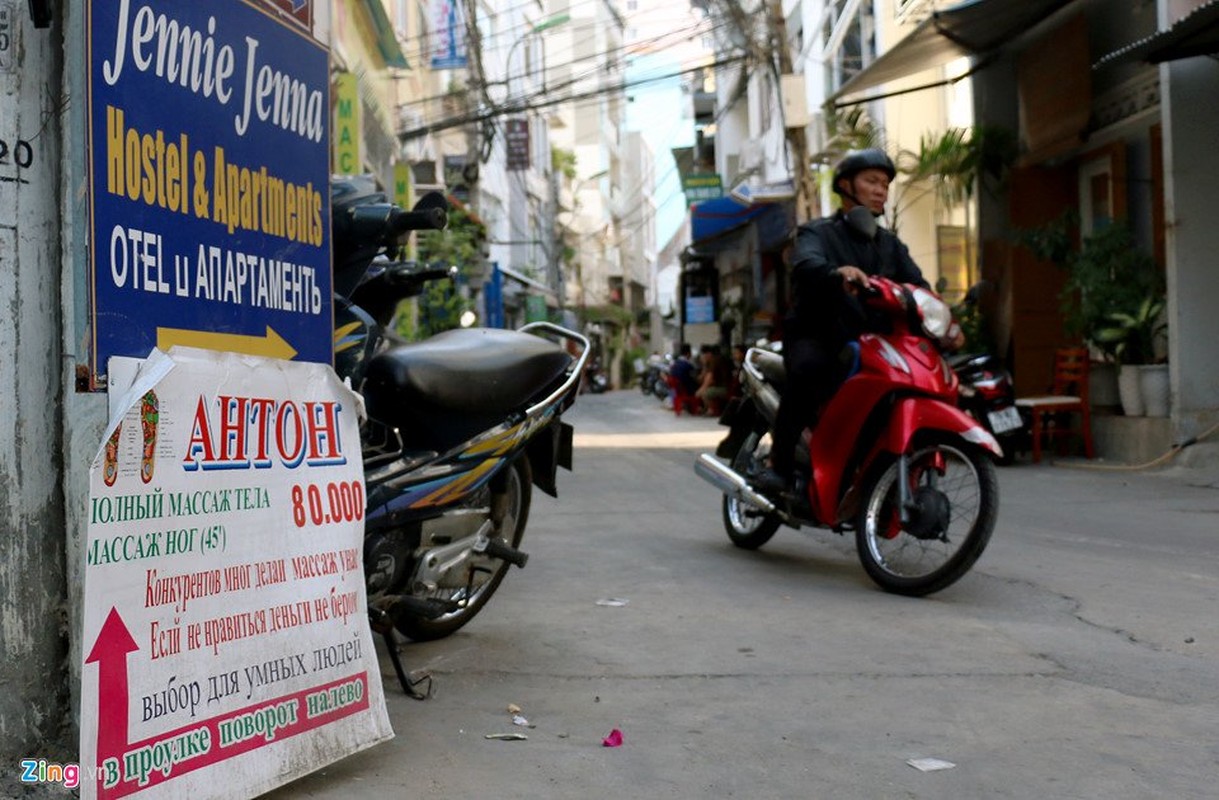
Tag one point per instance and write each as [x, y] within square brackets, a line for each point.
[446, 390]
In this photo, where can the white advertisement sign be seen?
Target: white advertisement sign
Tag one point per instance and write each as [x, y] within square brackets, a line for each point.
[447, 45]
[226, 640]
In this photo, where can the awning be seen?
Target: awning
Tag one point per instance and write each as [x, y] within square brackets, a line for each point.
[717, 225]
[526, 281]
[971, 28]
[387, 40]
[1195, 34]
[712, 218]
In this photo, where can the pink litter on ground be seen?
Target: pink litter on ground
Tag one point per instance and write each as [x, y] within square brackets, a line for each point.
[613, 740]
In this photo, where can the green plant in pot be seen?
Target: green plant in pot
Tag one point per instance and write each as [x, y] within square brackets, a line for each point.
[1106, 274]
[1109, 273]
[1132, 337]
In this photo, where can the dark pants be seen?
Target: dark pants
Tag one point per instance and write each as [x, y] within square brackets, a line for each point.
[814, 372]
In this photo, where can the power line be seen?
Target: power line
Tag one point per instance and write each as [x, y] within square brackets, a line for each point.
[424, 38]
[526, 27]
[517, 108]
[549, 68]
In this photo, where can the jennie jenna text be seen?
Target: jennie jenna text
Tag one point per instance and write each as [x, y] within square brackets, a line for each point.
[180, 55]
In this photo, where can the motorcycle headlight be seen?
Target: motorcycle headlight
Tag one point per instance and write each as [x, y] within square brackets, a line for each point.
[937, 316]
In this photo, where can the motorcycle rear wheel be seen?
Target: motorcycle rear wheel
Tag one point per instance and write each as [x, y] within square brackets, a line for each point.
[747, 527]
[904, 563]
[519, 486]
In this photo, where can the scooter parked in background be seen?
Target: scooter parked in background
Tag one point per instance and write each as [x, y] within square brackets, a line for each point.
[987, 392]
[987, 395]
[598, 381]
[652, 379]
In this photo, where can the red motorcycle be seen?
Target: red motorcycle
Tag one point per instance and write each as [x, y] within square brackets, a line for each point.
[892, 458]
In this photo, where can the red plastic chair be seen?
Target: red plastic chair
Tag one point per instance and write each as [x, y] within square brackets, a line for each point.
[1053, 413]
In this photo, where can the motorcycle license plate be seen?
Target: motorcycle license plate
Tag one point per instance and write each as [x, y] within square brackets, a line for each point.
[1004, 420]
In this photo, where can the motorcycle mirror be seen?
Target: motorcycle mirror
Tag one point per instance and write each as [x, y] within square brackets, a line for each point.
[860, 220]
[432, 200]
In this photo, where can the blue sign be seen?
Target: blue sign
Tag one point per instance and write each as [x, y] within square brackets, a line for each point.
[699, 309]
[493, 298]
[209, 181]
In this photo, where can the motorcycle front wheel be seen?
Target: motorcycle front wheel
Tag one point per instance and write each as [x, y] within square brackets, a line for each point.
[487, 572]
[956, 496]
[746, 526]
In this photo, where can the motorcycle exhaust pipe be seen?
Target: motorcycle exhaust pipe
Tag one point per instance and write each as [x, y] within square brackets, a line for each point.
[728, 481]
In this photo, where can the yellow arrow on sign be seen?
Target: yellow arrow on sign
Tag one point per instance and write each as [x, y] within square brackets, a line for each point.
[271, 345]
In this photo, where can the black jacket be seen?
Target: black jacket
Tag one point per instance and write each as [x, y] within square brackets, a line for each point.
[822, 309]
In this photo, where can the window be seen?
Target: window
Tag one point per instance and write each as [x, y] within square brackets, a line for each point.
[954, 257]
[850, 44]
[1102, 190]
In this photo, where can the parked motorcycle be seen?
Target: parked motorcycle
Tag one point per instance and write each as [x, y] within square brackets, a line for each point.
[460, 427]
[986, 393]
[598, 381]
[892, 458]
[656, 377]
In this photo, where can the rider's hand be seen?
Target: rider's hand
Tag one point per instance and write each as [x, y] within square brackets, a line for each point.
[853, 278]
[955, 339]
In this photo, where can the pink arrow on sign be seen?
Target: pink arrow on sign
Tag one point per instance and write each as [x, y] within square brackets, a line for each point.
[110, 651]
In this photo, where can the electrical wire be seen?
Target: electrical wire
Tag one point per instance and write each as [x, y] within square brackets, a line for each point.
[522, 104]
[526, 28]
[552, 67]
[425, 36]
[1160, 460]
[482, 115]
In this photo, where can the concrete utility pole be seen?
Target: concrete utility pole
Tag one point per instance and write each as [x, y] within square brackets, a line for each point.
[476, 91]
[807, 206]
[32, 581]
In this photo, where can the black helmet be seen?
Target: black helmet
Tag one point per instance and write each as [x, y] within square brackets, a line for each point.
[857, 161]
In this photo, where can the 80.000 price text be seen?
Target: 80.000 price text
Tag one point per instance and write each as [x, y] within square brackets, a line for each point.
[324, 504]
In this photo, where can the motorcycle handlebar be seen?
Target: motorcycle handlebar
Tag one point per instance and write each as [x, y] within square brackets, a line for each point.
[381, 222]
[411, 272]
[427, 219]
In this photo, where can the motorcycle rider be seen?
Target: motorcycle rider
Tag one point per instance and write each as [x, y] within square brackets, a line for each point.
[832, 257]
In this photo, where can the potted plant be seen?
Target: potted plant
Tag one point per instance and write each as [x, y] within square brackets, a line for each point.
[1107, 275]
[1133, 337]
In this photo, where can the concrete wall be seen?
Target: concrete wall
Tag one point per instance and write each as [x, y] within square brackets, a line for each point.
[84, 414]
[33, 630]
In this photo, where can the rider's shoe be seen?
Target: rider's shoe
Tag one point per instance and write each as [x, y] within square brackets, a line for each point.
[770, 482]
